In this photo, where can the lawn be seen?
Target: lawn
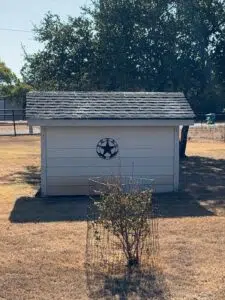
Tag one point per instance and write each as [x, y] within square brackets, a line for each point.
[42, 242]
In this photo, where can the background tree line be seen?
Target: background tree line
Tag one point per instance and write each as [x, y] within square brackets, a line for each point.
[135, 45]
[11, 86]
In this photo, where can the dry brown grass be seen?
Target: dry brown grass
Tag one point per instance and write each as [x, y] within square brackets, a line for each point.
[37, 260]
[42, 244]
[206, 148]
[21, 128]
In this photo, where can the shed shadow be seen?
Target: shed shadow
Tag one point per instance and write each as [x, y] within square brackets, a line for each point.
[49, 209]
[202, 190]
[204, 179]
[181, 204]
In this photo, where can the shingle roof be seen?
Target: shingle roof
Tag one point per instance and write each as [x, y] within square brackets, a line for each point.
[107, 105]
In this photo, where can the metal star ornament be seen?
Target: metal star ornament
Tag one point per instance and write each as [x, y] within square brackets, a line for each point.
[107, 148]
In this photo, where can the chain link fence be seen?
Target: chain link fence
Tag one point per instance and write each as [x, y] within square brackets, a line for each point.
[13, 122]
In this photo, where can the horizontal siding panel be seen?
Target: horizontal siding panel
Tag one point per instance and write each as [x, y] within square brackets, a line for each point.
[86, 190]
[72, 137]
[125, 161]
[72, 158]
[63, 190]
[86, 180]
[60, 131]
[93, 171]
[146, 141]
[91, 153]
[163, 188]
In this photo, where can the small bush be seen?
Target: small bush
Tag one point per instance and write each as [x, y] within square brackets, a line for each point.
[125, 215]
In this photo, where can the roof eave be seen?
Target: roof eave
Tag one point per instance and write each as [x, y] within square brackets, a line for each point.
[111, 122]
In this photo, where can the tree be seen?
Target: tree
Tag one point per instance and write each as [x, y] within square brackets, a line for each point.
[11, 87]
[131, 45]
[219, 56]
[116, 45]
[201, 24]
[6, 75]
[219, 62]
[65, 63]
[135, 46]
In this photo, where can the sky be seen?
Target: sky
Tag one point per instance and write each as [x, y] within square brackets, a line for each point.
[21, 15]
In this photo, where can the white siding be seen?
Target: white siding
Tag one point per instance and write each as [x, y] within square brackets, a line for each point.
[43, 161]
[176, 159]
[71, 157]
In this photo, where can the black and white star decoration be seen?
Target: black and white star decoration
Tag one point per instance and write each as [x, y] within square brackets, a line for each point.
[107, 148]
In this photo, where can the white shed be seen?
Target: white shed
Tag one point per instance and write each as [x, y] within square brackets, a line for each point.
[91, 134]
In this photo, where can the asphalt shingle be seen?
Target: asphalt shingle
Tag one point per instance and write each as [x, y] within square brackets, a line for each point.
[107, 105]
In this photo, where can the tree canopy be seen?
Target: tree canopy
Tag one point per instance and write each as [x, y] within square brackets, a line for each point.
[149, 45]
[11, 87]
[64, 63]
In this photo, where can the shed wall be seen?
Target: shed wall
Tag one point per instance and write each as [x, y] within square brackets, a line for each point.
[71, 157]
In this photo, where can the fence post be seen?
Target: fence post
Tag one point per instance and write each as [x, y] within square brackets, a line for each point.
[224, 133]
[4, 109]
[14, 124]
[31, 129]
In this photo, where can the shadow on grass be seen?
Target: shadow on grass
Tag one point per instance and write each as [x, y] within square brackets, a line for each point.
[30, 175]
[202, 189]
[202, 185]
[137, 285]
[50, 209]
[203, 177]
[181, 204]
[55, 209]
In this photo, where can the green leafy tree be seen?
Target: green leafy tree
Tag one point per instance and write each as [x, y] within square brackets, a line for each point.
[201, 26]
[134, 44]
[11, 87]
[116, 45]
[65, 62]
[6, 75]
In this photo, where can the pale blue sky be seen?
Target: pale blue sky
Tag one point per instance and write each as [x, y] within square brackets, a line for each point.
[21, 14]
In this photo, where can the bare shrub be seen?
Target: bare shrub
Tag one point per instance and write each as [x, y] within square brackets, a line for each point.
[122, 241]
[126, 216]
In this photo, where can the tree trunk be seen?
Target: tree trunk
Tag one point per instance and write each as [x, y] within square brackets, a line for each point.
[183, 141]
